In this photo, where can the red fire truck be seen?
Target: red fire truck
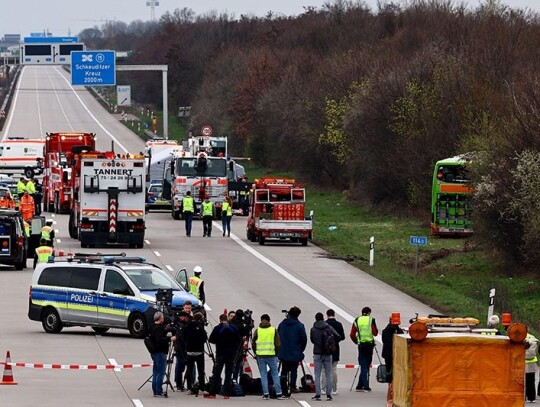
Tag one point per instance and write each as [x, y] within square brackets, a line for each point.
[58, 157]
[278, 212]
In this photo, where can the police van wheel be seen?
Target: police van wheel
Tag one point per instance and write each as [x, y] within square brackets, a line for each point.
[137, 326]
[175, 215]
[21, 265]
[51, 321]
[99, 330]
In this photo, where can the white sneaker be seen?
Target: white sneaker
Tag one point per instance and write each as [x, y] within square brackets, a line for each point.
[323, 391]
[334, 392]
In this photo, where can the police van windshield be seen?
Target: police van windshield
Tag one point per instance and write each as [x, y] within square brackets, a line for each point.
[151, 279]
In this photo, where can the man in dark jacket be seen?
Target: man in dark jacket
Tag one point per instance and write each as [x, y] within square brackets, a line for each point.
[159, 357]
[338, 326]
[180, 350]
[196, 338]
[244, 327]
[321, 357]
[387, 353]
[227, 339]
[293, 343]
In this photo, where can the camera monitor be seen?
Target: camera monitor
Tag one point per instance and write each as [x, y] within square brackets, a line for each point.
[164, 295]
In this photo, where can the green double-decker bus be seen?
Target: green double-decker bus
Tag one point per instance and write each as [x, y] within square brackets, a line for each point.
[451, 198]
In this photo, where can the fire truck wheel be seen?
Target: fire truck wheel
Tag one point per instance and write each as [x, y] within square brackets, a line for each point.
[303, 241]
[261, 240]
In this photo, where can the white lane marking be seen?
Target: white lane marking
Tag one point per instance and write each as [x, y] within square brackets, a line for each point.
[157, 253]
[14, 105]
[311, 291]
[207, 307]
[303, 403]
[38, 106]
[91, 114]
[147, 241]
[169, 268]
[137, 403]
[58, 241]
[114, 363]
[60, 104]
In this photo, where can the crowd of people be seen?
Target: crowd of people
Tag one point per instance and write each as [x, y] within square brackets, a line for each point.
[280, 351]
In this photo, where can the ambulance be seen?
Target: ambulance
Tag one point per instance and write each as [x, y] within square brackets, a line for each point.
[19, 154]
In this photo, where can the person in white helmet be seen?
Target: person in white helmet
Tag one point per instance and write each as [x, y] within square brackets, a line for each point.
[196, 284]
[493, 323]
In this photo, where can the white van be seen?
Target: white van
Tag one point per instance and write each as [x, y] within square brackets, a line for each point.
[18, 154]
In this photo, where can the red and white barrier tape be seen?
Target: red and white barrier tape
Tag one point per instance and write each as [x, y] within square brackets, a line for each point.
[74, 367]
[341, 366]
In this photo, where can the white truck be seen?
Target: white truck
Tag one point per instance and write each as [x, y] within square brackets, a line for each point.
[18, 154]
[111, 207]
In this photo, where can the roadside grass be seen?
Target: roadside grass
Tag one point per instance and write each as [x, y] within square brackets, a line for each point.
[454, 276]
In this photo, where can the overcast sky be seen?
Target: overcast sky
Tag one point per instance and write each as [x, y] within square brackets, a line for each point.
[64, 17]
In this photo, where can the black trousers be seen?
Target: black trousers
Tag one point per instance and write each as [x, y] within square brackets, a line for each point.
[207, 225]
[190, 363]
[226, 361]
[292, 368]
[530, 392]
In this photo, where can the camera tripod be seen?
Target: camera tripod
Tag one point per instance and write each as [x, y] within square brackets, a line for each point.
[167, 381]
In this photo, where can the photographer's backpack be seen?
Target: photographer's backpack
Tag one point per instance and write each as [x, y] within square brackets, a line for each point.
[307, 384]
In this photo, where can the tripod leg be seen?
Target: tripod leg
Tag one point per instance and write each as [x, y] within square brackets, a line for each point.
[354, 379]
[149, 380]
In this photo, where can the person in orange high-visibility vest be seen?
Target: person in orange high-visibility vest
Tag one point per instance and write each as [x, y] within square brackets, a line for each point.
[27, 206]
[7, 201]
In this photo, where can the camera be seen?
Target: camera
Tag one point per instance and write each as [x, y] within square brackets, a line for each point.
[247, 319]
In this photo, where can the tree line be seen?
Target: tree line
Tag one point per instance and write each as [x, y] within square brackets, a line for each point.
[365, 101]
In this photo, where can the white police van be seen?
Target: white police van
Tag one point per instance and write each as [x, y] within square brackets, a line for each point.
[103, 292]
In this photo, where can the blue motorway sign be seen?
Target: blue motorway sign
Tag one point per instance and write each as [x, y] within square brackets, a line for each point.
[418, 240]
[93, 68]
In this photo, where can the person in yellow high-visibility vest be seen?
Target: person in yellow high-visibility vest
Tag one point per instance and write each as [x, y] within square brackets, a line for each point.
[266, 345]
[26, 228]
[188, 207]
[226, 215]
[21, 187]
[531, 360]
[43, 252]
[207, 216]
[363, 332]
[47, 232]
[196, 284]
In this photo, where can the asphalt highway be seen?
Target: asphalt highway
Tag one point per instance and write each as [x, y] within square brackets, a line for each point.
[238, 274]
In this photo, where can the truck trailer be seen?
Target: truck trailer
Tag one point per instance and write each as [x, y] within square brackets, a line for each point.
[109, 208]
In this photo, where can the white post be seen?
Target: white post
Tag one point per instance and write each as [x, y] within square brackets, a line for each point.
[371, 250]
[491, 302]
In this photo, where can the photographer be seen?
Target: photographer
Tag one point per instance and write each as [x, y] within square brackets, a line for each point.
[196, 337]
[293, 337]
[180, 349]
[227, 340]
[160, 338]
[244, 324]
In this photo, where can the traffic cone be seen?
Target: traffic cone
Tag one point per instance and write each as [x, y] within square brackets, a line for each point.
[246, 368]
[7, 378]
